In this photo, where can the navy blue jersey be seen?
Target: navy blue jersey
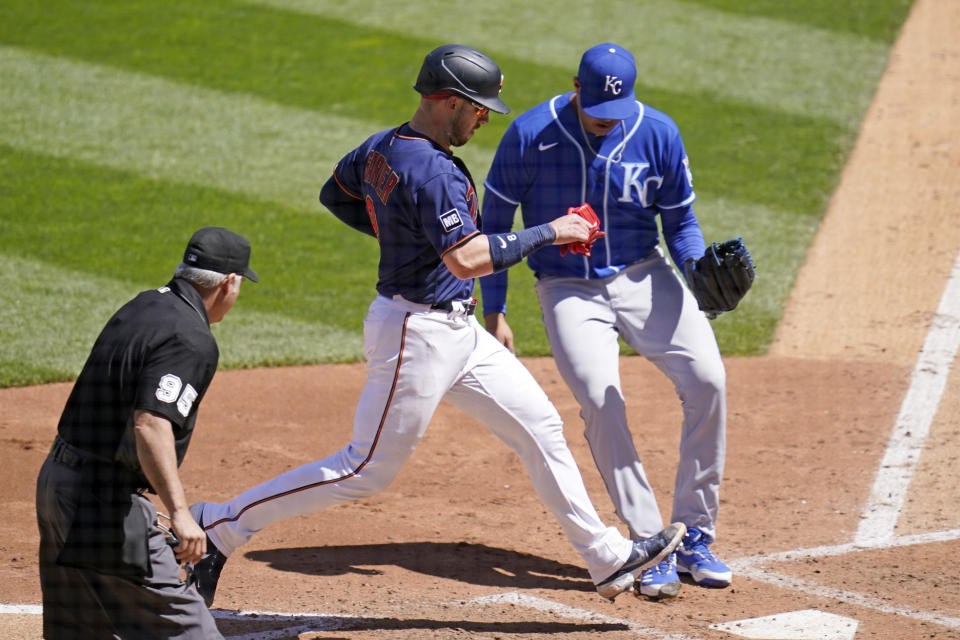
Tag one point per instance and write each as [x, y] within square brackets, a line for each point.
[547, 163]
[156, 353]
[421, 203]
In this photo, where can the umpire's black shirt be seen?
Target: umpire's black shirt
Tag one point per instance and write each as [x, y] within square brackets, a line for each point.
[156, 353]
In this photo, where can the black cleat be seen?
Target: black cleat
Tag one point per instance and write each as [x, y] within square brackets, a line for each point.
[206, 573]
[645, 554]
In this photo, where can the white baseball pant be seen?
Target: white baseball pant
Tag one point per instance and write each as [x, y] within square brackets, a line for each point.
[647, 305]
[415, 357]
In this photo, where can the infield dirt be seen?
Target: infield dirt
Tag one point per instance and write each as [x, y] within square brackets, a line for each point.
[460, 546]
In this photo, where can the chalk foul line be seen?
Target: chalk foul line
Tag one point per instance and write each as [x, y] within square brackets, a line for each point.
[919, 408]
[753, 567]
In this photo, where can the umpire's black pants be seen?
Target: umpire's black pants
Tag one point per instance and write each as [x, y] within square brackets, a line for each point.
[80, 604]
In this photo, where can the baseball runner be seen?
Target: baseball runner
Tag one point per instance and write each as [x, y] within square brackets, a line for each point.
[599, 146]
[108, 568]
[422, 340]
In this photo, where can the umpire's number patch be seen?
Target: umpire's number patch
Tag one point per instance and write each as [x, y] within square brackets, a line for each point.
[451, 220]
[169, 391]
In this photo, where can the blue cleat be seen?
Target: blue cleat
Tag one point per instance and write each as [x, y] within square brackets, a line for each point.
[694, 557]
[661, 581]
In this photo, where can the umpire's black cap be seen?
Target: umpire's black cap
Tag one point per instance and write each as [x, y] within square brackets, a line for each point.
[464, 71]
[221, 250]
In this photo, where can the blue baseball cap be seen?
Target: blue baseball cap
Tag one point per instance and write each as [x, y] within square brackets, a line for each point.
[607, 73]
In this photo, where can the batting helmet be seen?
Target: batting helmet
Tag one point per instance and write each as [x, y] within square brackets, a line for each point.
[465, 71]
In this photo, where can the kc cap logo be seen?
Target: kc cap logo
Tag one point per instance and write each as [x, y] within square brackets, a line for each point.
[606, 75]
[614, 85]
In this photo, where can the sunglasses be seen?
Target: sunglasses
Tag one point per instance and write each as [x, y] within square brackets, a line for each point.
[443, 95]
[481, 110]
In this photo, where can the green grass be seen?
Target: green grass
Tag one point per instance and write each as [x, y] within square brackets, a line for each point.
[97, 221]
[96, 236]
[124, 126]
[231, 47]
[865, 18]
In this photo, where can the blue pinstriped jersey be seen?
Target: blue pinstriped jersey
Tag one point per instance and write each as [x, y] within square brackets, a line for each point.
[547, 163]
[422, 203]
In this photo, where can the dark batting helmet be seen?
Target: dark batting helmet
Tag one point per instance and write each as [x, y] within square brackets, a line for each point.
[464, 71]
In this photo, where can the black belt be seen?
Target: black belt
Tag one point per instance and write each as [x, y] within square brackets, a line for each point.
[69, 455]
[73, 457]
[469, 306]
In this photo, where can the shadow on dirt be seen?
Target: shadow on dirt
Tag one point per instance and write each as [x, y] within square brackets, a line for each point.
[252, 625]
[471, 563]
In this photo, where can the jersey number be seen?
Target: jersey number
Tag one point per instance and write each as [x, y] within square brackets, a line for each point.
[169, 391]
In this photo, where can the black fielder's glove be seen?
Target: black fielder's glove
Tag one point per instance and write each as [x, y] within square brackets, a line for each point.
[721, 278]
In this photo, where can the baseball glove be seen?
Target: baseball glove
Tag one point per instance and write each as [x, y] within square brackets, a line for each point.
[721, 278]
[586, 212]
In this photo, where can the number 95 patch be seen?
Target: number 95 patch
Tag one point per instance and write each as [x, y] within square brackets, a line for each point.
[169, 391]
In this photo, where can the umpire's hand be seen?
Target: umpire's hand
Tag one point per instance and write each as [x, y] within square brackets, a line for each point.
[193, 540]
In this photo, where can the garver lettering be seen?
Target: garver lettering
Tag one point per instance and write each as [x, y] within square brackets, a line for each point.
[379, 175]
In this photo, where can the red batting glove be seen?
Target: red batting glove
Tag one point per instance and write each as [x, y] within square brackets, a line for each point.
[586, 212]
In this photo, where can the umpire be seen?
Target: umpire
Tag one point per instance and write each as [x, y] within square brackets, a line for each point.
[108, 568]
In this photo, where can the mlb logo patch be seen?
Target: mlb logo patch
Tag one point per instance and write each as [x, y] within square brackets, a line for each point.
[451, 220]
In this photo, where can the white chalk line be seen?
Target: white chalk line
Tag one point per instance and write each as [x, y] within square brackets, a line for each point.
[753, 567]
[919, 408]
[575, 613]
[297, 623]
[294, 623]
[845, 548]
[21, 609]
[841, 595]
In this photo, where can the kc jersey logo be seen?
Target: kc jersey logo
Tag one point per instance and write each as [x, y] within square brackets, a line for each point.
[634, 184]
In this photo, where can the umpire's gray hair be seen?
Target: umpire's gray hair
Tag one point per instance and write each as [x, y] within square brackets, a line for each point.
[203, 278]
